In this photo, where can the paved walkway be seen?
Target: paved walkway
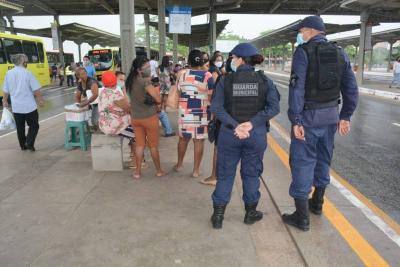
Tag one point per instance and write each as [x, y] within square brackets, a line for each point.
[56, 211]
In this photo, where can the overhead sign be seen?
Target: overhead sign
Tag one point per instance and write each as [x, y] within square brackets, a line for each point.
[180, 19]
[54, 36]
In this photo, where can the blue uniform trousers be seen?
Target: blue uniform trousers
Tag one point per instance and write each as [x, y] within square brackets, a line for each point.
[310, 160]
[251, 153]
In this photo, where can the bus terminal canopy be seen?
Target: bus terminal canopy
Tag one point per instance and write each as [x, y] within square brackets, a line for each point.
[286, 35]
[380, 11]
[77, 33]
[9, 8]
[390, 36]
[200, 35]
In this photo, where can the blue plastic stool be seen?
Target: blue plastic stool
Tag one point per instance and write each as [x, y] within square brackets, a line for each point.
[81, 139]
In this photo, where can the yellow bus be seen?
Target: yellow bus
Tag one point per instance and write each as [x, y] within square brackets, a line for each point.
[104, 59]
[11, 44]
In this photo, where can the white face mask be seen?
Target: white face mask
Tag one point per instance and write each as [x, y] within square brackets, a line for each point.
[120, 84]
[218, 64]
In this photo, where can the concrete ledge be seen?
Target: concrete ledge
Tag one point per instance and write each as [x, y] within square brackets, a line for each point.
[381, 93]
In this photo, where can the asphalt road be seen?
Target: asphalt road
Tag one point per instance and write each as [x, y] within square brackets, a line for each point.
[369, 157]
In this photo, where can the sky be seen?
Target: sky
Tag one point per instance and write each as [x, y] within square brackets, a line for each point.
[254, 24]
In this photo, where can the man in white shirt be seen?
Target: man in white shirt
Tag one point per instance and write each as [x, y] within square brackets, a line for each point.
[153, 68]
[396, 73]
[23, 87]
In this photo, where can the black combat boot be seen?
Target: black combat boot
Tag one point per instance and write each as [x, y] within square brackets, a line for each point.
[317, 200]
[252, 215]
[218, 216]
[301, 217]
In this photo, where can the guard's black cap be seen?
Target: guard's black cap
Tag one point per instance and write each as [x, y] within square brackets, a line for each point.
[314, 22]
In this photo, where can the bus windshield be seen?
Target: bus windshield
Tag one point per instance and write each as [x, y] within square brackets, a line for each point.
[101, 59]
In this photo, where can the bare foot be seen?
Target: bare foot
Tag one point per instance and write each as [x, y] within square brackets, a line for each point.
[178, 168]
[209, 181]
[161, 174]
[196, 174]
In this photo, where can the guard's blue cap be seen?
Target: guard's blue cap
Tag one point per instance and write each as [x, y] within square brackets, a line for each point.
[314, 22]
[244, 50]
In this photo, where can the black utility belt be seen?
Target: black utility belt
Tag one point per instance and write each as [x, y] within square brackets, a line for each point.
[330, 104]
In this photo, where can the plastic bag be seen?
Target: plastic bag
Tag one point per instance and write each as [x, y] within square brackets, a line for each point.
[7, 120]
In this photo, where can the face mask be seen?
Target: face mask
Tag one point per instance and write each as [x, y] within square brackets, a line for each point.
[121, 84]
[146, 72]
[300, 39]
[86, 62]
[233, 66]
[218, 64]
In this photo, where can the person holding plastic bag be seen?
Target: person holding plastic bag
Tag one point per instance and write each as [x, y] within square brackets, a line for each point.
[23, 88]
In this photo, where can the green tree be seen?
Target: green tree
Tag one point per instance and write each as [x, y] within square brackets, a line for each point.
[229, 35]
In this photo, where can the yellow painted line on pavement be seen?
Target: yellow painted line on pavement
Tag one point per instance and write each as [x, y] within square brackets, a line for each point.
[380, 213]
[368, 255]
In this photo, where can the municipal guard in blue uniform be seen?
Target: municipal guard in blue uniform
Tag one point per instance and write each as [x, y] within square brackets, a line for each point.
[244, 102]
[321, 78]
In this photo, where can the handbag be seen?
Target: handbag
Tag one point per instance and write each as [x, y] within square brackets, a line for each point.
[149, 100]
[213, 129]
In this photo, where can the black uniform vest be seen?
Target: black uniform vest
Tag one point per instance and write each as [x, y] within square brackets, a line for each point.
[324, 74]
[245, 93]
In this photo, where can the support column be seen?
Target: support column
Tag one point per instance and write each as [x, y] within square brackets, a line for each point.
[361, 53]
[161, 27]
[191, 45]
[127, 25]
[269, 58]
[272, 58]
[371, 58]
[175, 47]
[283, 58]
[60, 42]
[147, 29]
[355, 56]
[11, 21]
[213, 31]
[79, 51]
[292, 49]
[390, 56]
[3, 24]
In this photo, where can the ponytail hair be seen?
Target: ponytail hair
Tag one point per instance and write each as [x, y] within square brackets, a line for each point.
[137, 63]
[254, 60]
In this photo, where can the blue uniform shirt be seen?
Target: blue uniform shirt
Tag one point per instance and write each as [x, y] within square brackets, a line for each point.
[326, 116]
[91, 71]
[271, 109]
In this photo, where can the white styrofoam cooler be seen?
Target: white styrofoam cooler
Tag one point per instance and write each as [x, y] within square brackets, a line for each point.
[76, 114]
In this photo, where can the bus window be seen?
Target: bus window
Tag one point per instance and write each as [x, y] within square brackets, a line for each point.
[12, 47]
[3, 59]
[31, 51]
[41, 52]
[101, 59]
